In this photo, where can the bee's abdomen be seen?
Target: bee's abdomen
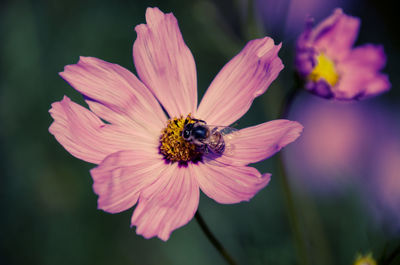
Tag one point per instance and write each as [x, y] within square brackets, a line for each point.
[218, 143]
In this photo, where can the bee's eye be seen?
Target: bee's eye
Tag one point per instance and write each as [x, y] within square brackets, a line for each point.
[186, 134]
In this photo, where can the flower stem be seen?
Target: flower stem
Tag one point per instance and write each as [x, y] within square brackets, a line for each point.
[287, 103]
[389, 260]
[287, 192]
[213, 240]
[292, 215]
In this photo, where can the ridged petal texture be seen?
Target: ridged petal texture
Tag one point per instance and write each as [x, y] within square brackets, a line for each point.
[165, 64]
[245, 77]
[121, 131]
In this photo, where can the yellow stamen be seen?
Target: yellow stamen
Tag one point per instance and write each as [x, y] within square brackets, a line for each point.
[173, 146]
[325, 69]
[365, 260]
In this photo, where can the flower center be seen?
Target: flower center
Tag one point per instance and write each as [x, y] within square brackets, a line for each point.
[365, 260]
[325, 69]
[173, 146]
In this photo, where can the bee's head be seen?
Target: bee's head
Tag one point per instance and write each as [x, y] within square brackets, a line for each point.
[187, 131]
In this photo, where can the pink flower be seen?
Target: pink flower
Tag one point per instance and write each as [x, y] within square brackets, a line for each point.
[329, 65]
[140, 154]
[383, 195]
[333, 151]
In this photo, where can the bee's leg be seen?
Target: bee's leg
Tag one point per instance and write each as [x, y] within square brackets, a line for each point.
[205, 149]
[202, 149]
[197, 120]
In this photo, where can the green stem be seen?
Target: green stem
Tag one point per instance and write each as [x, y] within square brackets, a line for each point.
[292, 215]
[213, 240]
[288, 194]
[291, 95]
[392, 256]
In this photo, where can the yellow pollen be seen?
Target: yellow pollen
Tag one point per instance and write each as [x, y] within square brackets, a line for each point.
[365, 260]
[173, 146]
[325, 69]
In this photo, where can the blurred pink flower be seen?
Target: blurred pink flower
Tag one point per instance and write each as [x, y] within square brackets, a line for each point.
[330, 66]
[141, 156]
[348, 146]
[383, 195]
[333, 146]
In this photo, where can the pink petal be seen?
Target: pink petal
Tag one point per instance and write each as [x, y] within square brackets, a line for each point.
[165, 64]
[359, 73]
[244, 78]
[114, 93]
[379, 84]
[336, 35]
[86, 137]
[351, 85]
[369, 56]
[254, 144]
[359, 82]
[229, 184]
[120, 178]
[167, 204]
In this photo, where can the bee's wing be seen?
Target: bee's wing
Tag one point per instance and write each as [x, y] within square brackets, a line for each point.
[227, 131]
[224, 130]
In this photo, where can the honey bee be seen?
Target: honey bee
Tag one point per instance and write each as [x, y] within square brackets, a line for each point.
[207, 138]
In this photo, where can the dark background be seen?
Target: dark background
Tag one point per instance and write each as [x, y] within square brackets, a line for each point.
[48, 209]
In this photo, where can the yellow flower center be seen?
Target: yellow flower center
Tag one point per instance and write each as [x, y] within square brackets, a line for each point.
[173, 146]
[365, 260]
[325, 69]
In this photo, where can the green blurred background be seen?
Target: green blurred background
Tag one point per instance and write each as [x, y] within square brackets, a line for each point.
[48, 209]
